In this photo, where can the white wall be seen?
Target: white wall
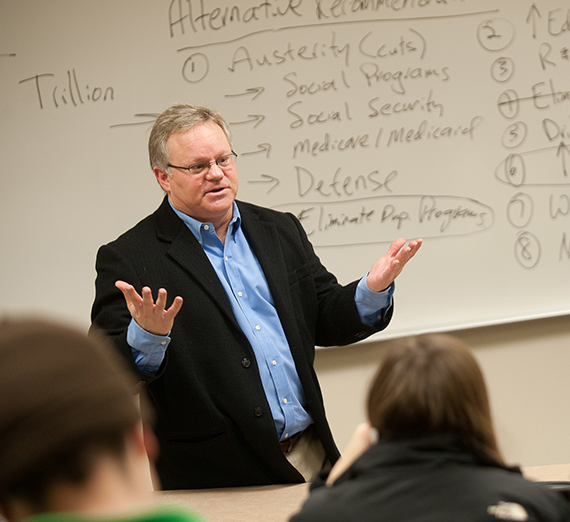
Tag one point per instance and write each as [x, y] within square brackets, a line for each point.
[526, 366]
[405, 151]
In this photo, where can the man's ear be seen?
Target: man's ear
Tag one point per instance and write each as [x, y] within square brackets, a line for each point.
[150, 443]
[145, 441]
[163, 179]
[3, 511]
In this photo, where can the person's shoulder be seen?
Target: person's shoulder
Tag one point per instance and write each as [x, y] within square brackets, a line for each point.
[161, 220]
[165, 513]
[326, 504]
[155, 514]
[144, 224]
[286, 225]
[518, 490]
[252, 211]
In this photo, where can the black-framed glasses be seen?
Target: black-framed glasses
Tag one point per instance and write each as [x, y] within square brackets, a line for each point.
[224, 162]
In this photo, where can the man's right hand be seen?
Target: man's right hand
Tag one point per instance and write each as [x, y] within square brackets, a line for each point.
[150, 316]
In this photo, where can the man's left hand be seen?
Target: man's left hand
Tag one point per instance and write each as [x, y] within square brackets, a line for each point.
[388, 267]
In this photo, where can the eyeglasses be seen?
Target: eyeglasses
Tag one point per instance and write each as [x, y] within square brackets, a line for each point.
[224, 162]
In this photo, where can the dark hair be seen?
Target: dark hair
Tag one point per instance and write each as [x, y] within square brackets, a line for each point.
[432, 384]
[67, 399]
[72, 465]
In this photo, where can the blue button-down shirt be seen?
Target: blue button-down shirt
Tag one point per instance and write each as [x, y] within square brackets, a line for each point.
[244, 282]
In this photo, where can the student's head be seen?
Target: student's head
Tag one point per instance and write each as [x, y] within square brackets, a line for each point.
[65, 401]
[432, 384]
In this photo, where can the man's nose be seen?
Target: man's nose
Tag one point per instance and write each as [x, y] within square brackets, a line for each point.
[214, 172]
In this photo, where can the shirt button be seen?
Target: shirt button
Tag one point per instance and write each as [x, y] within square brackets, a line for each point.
[240, 294]
[206, 227]
[257, 327]
[274, 363]
[284, 401]
[226, 258]
[163, 343]
[245, 362]
[258, 412]
[286, 436]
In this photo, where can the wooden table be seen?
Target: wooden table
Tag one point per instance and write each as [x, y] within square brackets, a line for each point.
[248, 504]
[553, 473]
[278, 503]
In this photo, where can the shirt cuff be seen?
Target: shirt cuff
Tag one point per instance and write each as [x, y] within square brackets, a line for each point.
[147, 349]
[372, 305]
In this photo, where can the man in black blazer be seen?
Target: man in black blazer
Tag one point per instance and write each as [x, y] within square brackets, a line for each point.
[228, 362]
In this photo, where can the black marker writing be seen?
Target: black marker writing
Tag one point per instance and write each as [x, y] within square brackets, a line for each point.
[193, 15]
[72, 94]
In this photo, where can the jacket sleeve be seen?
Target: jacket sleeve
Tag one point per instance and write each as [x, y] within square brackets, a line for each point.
[338, 321]
[109, 312]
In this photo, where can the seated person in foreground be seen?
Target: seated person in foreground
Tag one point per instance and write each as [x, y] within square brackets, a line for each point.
[429, 451]
[71, 438]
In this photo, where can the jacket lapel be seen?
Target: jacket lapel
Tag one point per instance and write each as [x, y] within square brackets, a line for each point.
[264, 241]
[186, 251]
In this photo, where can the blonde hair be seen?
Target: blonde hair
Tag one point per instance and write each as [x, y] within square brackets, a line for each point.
[178, 119]
[432, 384]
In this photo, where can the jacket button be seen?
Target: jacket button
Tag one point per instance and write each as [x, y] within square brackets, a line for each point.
[258, 412]
[245, 362]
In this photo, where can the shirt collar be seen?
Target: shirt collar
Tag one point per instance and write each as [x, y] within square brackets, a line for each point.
[196, 226]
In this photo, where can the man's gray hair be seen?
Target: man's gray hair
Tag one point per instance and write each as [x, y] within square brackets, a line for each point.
[178, 119]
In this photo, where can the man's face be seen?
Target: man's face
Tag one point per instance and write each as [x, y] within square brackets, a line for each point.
[207, 196]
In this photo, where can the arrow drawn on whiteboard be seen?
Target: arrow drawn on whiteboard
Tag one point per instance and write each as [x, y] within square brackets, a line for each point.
[268, 179]
[258, 118]
[152, 119]
[256, 91]
[532, 16]
[261, 147]
[562, 149]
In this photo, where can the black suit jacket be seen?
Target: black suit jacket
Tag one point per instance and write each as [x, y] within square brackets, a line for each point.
[215, 427]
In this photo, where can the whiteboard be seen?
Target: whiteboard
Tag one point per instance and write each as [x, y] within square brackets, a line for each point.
[370, 120]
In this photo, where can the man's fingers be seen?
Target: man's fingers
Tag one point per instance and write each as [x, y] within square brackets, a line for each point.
[123, 287]
[129, 293]
[150, 315]
[161, 299]
[147, 296]
[413, 247]
[396, 246]
[174, 308]
[407, 253]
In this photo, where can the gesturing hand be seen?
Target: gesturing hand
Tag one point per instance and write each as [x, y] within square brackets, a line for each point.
[388, 267]
[150, 316]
